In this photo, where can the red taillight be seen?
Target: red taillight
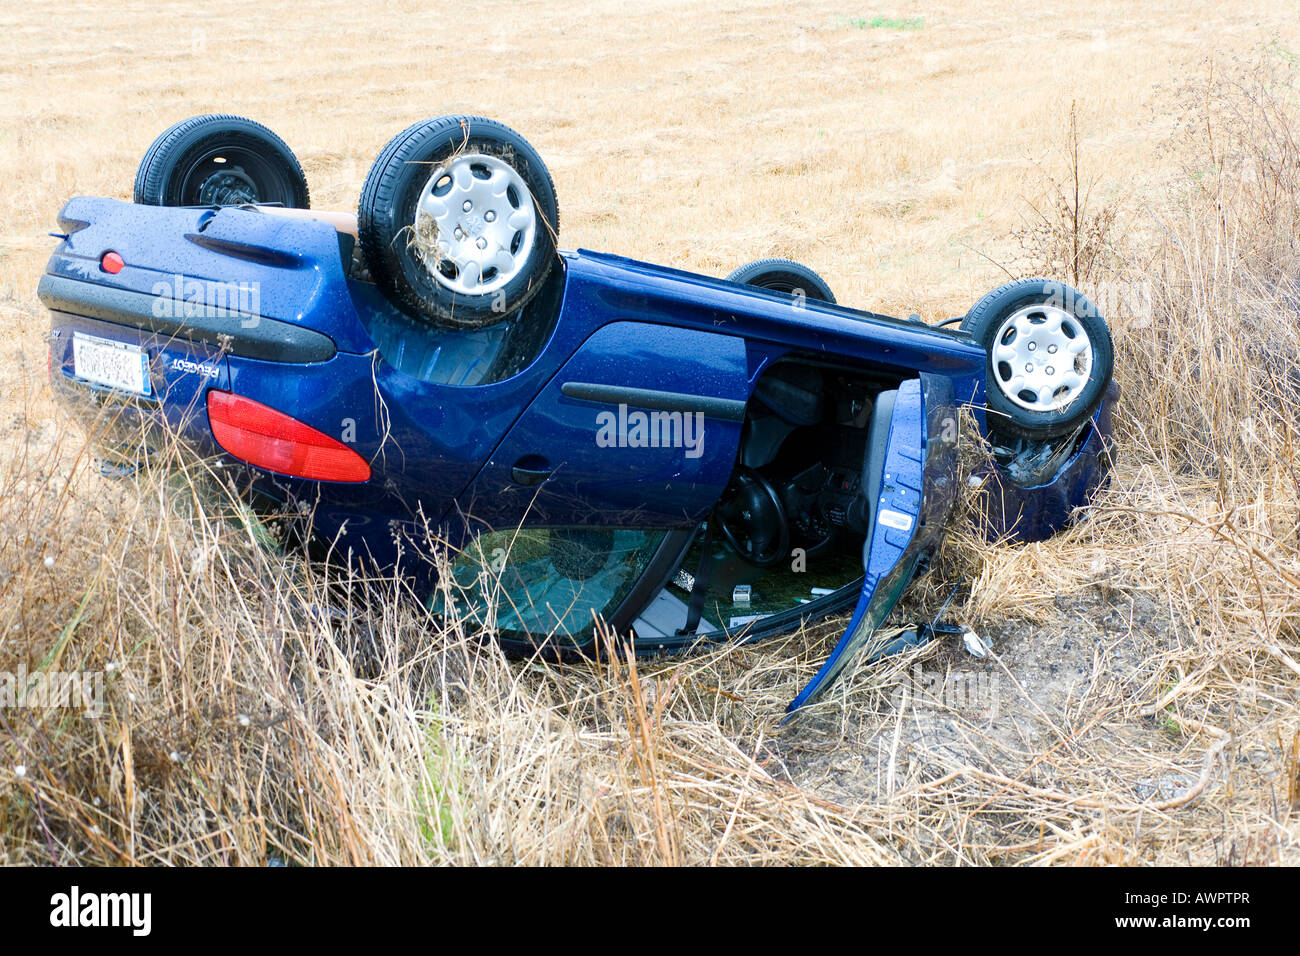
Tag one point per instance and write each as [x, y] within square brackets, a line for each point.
[112, 263]
[272, 440]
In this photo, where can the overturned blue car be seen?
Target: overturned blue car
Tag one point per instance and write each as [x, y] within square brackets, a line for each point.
[596, 442]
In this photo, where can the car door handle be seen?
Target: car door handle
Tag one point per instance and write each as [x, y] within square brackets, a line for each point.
[727, 409]
[526, 472]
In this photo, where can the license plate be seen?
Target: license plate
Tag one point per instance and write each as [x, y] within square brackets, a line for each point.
[106, 362]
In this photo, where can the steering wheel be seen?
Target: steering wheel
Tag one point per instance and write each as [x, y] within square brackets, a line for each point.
[752, 519]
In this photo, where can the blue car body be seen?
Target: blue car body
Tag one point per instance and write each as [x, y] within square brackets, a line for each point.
[472, 431]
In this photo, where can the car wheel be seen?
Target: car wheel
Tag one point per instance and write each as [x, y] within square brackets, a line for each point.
[457, 221]
[783, 275]
[220, 160]
[1050, 357]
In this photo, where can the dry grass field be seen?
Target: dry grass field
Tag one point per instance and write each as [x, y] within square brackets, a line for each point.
[1146, 663]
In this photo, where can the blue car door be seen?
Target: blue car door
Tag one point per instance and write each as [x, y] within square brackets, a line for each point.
[639, 428]
[627, 446]
[909, 478]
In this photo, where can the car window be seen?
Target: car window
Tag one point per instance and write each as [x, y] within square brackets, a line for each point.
[460, 357]
[542, 582]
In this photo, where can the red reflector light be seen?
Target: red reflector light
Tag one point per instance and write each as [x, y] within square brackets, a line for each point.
[112, 263]
[272, 440]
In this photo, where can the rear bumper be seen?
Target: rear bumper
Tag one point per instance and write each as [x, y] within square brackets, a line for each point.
[197, 320]
[128, 428]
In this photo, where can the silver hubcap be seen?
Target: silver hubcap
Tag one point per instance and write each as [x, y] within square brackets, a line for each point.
[1042, 358]
[475, 224]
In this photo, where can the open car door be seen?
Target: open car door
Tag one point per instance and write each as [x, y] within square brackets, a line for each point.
[911, 454]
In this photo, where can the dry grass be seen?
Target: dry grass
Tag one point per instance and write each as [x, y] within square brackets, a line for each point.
[245, 725]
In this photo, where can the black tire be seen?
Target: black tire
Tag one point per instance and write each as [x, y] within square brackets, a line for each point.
[986, 320]
[386, 217]
[783, 275]
[220, 160]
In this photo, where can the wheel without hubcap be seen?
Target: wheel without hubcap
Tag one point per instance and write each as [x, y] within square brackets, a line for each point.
[783, 275]
[220, 160]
